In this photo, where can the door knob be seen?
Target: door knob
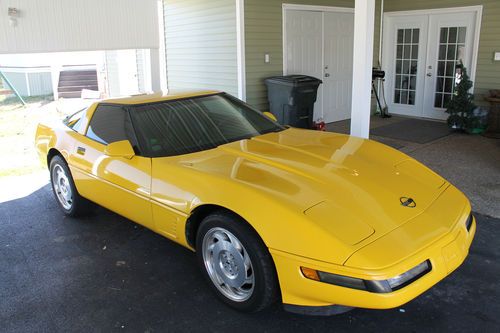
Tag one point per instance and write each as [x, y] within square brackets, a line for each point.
[327, 74]
[429, 74]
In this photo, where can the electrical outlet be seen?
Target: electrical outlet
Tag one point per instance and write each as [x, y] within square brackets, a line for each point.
[496, 57]
[267, 58]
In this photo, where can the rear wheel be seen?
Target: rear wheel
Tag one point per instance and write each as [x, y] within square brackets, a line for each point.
[64, 189]
[236, 263]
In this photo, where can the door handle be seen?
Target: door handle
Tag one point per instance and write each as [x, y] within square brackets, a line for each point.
[80, 151]
[327, 74]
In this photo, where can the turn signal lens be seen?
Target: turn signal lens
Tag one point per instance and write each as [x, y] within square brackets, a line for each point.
[310, 273]
[374, 286]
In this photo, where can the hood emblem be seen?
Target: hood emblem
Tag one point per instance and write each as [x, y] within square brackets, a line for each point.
[407, 202]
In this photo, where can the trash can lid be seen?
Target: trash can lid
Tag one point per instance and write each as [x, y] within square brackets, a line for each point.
[294, 80]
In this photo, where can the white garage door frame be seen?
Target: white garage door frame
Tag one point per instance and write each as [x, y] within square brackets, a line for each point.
[322, 9]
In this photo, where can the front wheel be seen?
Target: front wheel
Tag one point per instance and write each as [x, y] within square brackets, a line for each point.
[236, 263]
[64, 189]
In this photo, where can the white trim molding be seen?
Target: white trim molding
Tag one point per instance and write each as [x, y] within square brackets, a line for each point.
[288, 6]
[240, 48]
[364, 26]
[162, 48]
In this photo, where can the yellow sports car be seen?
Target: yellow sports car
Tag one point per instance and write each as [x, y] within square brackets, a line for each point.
[319, 221]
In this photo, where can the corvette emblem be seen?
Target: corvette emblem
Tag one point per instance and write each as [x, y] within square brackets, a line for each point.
[407, 202]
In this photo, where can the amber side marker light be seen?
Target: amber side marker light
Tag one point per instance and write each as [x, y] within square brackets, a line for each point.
[310, 273]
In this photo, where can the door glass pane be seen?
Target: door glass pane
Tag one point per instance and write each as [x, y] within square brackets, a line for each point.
[405, 80]
[461, 35]
[441, 67]
[452, 35]
[451, 51]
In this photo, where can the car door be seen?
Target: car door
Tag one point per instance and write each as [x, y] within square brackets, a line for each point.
[120, 184]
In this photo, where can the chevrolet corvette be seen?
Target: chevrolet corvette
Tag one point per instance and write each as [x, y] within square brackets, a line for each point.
[321, 222]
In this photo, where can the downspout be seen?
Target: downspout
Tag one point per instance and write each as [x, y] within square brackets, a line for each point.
[380, 37]
[381, 31]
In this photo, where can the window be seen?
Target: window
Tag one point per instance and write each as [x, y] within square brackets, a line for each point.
[451, 52]
[110, 123]
[406, 66]
[194, 124]
[75, 120]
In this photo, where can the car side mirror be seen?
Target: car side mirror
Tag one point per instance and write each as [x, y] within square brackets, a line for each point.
[269, 115]
[120, 149]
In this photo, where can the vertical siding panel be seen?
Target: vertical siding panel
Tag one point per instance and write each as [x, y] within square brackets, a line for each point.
[74, 25]
[40, 83]
[200, 38]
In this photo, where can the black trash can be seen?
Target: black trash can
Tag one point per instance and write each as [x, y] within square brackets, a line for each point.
[291, 99]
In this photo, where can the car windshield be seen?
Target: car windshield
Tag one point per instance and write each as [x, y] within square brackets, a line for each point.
[194, 124]
[73, 121]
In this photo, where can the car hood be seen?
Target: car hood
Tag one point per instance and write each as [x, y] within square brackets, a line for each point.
[347, 187]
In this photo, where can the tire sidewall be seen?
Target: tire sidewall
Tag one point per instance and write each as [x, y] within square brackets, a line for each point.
[255, 249]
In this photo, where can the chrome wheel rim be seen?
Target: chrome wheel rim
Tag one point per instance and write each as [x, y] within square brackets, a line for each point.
[62, 187]
[228, 264]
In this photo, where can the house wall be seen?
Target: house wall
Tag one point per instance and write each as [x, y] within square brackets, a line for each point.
[488, 71]
[264, 34]
[200, 40]
[74, 25]
[40, 83]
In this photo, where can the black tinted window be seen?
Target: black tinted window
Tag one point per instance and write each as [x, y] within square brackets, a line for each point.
[108, 124]
[194, 124]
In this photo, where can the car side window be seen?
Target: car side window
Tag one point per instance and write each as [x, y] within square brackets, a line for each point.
[108, 124]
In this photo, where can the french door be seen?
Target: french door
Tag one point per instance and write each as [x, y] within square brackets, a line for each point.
[420, 56]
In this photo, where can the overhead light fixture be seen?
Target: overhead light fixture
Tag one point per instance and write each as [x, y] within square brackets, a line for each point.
[13, 14]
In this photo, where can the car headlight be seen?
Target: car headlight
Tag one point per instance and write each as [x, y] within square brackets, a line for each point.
[376, 286]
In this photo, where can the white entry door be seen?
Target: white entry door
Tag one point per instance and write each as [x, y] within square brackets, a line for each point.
[420, 57]
[320, 44]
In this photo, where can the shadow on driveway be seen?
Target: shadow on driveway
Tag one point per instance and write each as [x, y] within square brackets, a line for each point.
[104, 273]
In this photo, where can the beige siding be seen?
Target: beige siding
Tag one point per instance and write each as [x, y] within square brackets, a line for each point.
[488, 71]
[263, 33]
[200, 38]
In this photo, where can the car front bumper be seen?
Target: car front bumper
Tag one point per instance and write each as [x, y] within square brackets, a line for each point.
[445, 255]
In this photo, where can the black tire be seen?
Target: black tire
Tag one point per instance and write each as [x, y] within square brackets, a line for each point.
[265, 290]
[77, 205]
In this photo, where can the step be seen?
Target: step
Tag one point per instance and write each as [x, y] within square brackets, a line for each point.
[77, 77]
[83, 72]
[78, 88]
[77, 83]
[73, 94]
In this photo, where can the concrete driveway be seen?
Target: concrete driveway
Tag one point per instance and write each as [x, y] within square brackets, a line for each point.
[105, 273]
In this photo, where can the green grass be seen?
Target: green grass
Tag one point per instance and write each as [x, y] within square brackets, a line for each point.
[17, 133]
[12, 102]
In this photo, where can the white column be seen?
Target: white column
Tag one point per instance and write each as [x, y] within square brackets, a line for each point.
[162, 55]
[240, 48]
[364, 22]
[55, 71]
[155, 69]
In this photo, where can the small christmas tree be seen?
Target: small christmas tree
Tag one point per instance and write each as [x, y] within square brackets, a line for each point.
[461, 106]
